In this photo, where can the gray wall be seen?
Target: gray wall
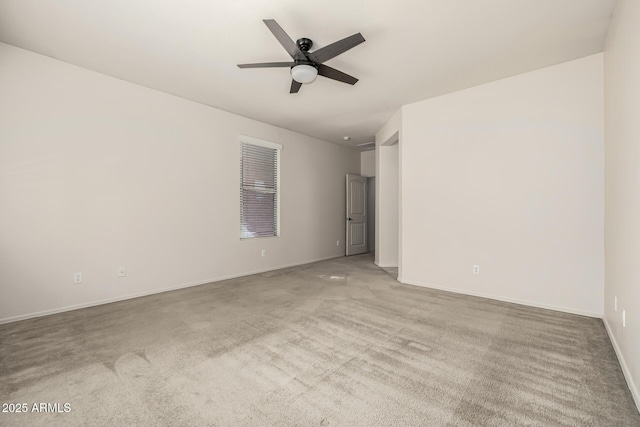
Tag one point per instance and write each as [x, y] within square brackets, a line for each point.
[509, 176]
[99, 173]
[622, 208]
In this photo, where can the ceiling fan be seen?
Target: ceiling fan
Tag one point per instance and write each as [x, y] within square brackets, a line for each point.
[306, 66]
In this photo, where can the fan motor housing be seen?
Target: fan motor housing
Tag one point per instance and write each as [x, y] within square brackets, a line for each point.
[304, 62]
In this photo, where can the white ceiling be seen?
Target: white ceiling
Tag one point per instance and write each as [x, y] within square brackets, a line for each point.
[415, 49]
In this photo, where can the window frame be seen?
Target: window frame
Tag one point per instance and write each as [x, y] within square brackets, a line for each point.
[243, 139]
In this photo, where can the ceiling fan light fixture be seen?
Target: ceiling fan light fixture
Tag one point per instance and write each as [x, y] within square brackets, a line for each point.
[303, 73]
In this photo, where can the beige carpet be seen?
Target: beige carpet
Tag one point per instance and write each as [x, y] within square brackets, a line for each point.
[333, 343]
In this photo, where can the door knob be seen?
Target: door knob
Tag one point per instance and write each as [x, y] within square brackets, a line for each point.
[349, 219]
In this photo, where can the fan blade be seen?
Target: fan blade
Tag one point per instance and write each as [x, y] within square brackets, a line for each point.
[295, 86]
[335, 49]
[332, 73]
[286, 42]
[266, 65]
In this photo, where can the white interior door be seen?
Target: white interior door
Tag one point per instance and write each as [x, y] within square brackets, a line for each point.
[356, 240]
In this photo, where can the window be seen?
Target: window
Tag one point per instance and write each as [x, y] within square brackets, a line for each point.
[259, 192]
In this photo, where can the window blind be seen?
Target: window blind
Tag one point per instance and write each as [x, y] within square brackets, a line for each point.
[258, 191]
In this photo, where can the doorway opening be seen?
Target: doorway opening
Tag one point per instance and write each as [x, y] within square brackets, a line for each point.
[388, 206]
[371, 213]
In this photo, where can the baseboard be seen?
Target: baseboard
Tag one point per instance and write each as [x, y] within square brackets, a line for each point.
[510, 300]
[156, 291]
[384, 265]
[623, 364]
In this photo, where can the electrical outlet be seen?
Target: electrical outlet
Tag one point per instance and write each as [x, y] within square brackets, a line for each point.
[264, 252]
[624, 319]
[77, 277]
[337, 242]
[122, 271]
[476, 269]
[615, 303]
